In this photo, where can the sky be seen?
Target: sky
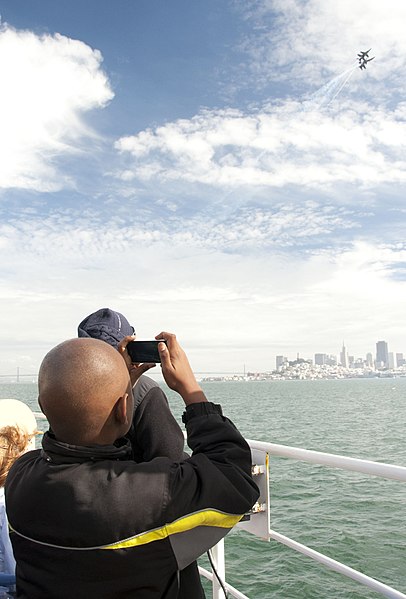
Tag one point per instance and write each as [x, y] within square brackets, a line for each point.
[221, 170]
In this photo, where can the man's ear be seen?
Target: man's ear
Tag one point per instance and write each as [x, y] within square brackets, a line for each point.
[121, 409]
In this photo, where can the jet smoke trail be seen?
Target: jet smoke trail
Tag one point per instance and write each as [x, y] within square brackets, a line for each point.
[323, 96]
[326, 94]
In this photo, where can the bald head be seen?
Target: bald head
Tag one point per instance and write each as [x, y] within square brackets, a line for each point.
[85, 392]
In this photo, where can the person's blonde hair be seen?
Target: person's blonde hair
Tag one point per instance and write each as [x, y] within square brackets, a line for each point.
[13, 442]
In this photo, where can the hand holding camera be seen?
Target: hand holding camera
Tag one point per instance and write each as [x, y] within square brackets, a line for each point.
[176, 369]
[135, 369]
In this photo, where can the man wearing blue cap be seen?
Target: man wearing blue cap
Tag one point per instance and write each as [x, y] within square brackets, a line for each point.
[154, 432]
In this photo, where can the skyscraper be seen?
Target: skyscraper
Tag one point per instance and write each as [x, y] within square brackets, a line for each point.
[382, 358]
[280, 361]
[320, 359]
[344, 357]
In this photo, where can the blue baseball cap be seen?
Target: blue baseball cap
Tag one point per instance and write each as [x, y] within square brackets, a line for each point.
[106, 325]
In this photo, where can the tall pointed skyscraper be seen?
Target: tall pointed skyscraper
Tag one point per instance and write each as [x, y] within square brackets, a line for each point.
[344, 357]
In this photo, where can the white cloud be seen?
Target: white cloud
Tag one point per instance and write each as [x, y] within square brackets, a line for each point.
[302, 40]
[228, 288]
[80, 240]
[244, 308]
[48, 82]
[274, 147]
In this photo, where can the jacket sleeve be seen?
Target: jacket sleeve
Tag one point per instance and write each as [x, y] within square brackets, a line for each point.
[155, 431]
[212, 490]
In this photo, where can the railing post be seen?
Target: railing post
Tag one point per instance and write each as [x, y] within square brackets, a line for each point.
[217, 554]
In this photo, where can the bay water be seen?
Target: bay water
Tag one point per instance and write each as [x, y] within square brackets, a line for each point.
[351, 517]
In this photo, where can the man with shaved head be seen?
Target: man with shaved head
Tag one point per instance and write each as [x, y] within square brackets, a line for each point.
[93, 380]
[87, 520]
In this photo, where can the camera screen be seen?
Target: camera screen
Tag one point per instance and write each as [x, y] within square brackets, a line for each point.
[144, 351]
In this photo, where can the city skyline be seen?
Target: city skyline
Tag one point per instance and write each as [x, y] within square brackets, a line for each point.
[278, 360]
[220, 170]
[381, 357]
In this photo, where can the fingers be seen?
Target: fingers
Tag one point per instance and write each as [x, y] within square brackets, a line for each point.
[165, 335]
[170, 338]
[164, 355]
[173, 347]
[122, 349]
[124, 342]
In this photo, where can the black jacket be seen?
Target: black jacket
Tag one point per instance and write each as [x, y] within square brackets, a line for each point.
[89, 522]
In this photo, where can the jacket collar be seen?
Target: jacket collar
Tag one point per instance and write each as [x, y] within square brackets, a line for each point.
[63, 453]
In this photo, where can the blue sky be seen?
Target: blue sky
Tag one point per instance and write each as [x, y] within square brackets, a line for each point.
[222, 170]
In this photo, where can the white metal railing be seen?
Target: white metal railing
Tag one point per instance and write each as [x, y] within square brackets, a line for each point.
[324, 459]
[331, 459]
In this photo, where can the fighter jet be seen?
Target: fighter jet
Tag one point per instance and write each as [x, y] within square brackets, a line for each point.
[363, 55]
[363, 64]
[363, 58]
